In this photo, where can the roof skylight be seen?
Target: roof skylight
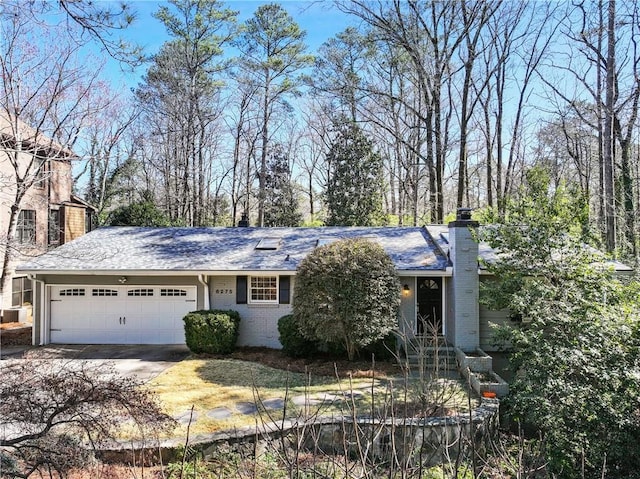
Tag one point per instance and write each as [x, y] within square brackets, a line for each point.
[324, 241]
[269, 242]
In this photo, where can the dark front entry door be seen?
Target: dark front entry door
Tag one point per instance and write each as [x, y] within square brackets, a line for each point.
[429, 320]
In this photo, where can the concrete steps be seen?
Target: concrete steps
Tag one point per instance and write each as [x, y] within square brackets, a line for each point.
[429, 357]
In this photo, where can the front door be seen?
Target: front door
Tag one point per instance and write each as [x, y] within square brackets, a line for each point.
[429, 320]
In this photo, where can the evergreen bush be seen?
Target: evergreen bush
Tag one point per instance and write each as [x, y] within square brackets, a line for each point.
[347, 293]
[213, 332]
[294, 344]
[382, 349]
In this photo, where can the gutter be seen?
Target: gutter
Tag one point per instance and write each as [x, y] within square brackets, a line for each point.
[203, 281]
[41, 312]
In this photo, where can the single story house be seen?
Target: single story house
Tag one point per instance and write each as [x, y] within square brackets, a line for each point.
[133, 285]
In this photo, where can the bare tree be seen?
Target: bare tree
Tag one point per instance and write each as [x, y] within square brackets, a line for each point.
[54, 413]
[273, 53]
[46, 98]
[182, 90]
[475, 17]
[242, 126]
[314, 147]
[108, 150]
[607, 69]
[517, 40]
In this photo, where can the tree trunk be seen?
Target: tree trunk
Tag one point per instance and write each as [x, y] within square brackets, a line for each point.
[608, 147]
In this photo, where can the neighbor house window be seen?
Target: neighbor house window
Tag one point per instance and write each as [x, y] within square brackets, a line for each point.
[54, 227]
[21, 291]
[40, 175]
[263, 289]
[26, 228]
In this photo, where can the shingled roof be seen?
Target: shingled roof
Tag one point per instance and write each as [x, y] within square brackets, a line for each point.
[215, 250]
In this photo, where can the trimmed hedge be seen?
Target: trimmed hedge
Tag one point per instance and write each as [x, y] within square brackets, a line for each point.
[294, 344]
[213, 332]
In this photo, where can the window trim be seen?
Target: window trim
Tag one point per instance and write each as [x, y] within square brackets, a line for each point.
[21, 290]
[24, 226]
[251, 287]
[54, 230]
[40, 175]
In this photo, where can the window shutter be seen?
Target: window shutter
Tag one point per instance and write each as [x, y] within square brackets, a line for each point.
[241, 290]
[285, 290]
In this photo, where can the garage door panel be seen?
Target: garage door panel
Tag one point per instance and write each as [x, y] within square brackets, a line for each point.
[119, 315]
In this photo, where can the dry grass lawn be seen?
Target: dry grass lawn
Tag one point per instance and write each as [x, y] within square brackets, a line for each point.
[249, 376]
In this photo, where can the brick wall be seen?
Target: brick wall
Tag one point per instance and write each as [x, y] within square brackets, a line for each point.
[259, 323]
[464, 285]
[60, 181]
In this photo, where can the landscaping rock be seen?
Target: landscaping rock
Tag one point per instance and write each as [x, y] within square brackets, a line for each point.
[274, 403]
[247, 408]
[186, 417]
[220, 413]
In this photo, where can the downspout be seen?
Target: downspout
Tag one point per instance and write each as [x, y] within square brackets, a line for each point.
[202, 279]
[42, 313]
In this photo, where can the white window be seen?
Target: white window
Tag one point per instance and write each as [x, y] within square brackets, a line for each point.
[173, 292]
[72, 292]
[21, 292]
[140, 292]
[104, 292]
[263, 289]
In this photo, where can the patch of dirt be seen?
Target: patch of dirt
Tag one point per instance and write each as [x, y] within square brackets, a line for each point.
[323, 365]
[117, 471]
[15, 334]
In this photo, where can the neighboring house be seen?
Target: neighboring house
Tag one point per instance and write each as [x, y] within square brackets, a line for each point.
[49, 216]
[134, 285]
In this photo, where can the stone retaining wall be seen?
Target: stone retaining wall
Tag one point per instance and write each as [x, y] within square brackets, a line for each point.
[428, 441]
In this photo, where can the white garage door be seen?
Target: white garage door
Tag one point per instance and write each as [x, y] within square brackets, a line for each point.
[120, 314]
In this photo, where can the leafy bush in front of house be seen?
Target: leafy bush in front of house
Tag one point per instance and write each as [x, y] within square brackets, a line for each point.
[294, 344]
[382, 349]
[347, 292]
[213, 332]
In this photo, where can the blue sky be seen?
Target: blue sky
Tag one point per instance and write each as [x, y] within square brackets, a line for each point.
[319, 19]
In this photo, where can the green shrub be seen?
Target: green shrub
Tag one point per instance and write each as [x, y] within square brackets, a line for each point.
[213, 332]
[348, 293]
[294, 344]
[382, 349]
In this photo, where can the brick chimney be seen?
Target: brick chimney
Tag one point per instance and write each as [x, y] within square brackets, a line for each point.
[244, 221]
[463, 324]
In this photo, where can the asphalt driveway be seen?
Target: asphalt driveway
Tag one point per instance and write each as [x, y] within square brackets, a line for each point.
[141, 361]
